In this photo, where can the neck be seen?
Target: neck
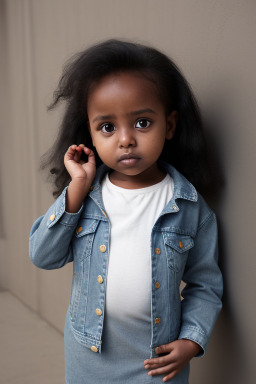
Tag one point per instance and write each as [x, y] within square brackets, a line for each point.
[142, 180]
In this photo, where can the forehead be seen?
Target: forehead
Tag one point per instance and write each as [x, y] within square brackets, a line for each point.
[124, 88]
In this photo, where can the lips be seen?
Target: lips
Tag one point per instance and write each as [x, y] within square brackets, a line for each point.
[126, 156]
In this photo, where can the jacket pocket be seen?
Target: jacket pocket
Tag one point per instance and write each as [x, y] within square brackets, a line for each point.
[83, 240]
[177, 247]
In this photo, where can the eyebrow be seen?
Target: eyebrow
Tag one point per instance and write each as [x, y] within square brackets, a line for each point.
[133, 113]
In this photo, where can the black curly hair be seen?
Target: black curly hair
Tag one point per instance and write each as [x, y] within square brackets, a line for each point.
[187, 151]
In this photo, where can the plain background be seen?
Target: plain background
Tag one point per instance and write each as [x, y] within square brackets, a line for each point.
[213, 42]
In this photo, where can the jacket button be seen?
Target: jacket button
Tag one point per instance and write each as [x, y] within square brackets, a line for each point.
[79, 229]
[94, 349]
[52, 217]
[157, 285]
[100, 279]
[157, 251]
[98, 312]
[181, 244]
[158, 320]
[175, 207]
[103, 248]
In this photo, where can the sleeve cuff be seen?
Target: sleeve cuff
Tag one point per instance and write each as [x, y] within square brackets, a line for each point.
[196, 335]
[58, 213]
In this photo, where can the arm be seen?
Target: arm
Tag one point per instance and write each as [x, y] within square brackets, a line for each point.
[202, 294]
[51, 234]
[201, 304]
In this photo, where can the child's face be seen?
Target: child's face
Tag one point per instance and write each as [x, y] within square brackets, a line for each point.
[129, 126]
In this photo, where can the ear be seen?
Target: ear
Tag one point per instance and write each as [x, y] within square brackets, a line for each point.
[171, 122]
[89, 128]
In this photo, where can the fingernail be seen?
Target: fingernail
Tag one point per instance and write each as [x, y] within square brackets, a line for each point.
[146, 366]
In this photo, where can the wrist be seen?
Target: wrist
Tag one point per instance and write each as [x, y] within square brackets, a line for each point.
[194, 348]
[80, 181]
[76, 193]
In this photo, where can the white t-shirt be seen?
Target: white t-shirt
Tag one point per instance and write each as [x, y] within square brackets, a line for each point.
[132, 214]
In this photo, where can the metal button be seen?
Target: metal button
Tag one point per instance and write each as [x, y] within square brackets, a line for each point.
[52, 217]
[100, 279]
[79, 229]
[158, 320]
[98, 312]
[181, 244]
[175, 207]
[157, 285]
[94, 349]
[103, 248]
[157, 251]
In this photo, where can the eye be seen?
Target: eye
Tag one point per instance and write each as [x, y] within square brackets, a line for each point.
[108, 128]
[142, 123]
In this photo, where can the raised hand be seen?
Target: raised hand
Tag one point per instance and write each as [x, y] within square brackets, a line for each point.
[178, 354]
[77, 168]
[82, 174]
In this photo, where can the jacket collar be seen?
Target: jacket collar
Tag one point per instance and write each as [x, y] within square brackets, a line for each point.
[183, 189]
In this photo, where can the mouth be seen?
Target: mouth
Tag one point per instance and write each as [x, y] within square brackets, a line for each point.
[128, 158]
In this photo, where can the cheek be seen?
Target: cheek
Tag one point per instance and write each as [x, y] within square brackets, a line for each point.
[104, 150]
[156, 145]
[96, 140]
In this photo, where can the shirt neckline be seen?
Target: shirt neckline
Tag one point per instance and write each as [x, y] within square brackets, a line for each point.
[151, 188]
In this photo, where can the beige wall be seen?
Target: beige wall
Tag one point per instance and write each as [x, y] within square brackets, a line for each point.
[213, 42]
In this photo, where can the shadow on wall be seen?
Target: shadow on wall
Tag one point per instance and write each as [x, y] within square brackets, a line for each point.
[227, 356]
[231, 361]
[2, 235]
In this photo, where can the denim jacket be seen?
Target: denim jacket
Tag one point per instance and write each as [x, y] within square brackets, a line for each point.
[183, 247]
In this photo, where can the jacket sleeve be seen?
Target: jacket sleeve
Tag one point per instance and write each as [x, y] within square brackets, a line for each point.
[51, 235]
[202, 294]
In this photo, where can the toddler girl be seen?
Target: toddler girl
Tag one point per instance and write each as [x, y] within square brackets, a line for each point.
[129, 218]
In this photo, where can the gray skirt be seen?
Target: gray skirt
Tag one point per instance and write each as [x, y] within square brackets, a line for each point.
[124, 349]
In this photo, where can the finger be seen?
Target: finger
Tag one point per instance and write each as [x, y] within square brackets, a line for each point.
[170, 376]
[154, 366]
[165, 348]
[69, 155]
[160, 371]
[163, 360]
[91, 156]
[78, 153]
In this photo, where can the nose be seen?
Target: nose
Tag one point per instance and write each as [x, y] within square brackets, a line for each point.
[127, 138]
